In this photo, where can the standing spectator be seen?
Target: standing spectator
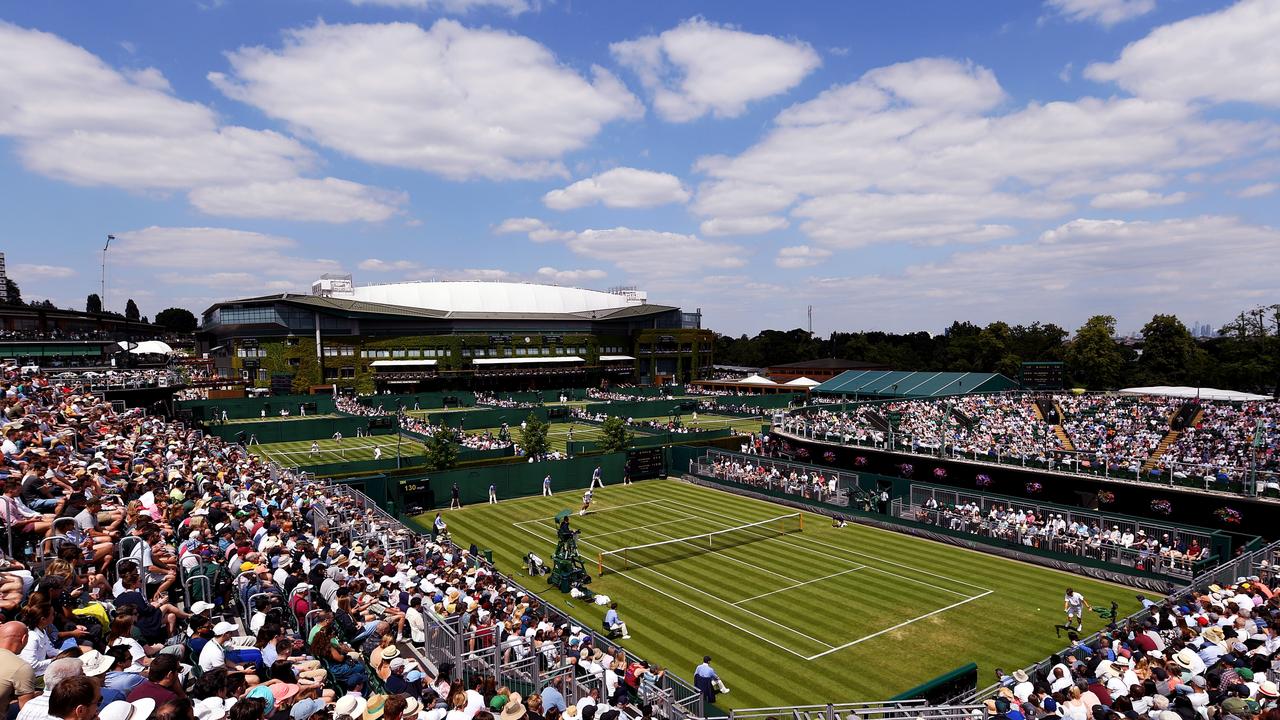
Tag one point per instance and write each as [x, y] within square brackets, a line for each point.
[707, 681]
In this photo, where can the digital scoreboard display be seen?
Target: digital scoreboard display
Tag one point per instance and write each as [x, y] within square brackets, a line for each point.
[1043, 376]
[417, 491]
[646, 463]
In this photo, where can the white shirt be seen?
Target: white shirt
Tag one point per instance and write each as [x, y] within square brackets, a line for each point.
[417, 625]
[212, 656]
[39, 651]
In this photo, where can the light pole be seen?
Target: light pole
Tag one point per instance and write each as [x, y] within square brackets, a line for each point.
[104, 271]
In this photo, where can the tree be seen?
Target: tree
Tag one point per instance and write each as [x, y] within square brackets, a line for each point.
[617, 436]
[176, 319]
[131, 311]
[1093, 357]
[93, 304]
[12, 292]
[441, 454]
[533, 436]
[1170, 355]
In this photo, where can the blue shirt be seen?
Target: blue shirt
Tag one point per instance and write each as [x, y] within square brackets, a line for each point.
[552, 698]
[611, 617]
[705, 670]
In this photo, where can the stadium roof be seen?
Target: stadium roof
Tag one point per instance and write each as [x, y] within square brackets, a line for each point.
[1203, 393]
[803, 382]
[364, 307]
[895, 383]
[489, 297]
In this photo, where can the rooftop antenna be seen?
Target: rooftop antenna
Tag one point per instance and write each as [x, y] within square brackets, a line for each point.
[810, 321]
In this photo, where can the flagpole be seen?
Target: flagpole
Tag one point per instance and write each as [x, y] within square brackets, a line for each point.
[103, 289]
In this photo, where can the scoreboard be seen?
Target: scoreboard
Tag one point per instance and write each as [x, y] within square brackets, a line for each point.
[417, 491]
[646, 463]
[1042, 376]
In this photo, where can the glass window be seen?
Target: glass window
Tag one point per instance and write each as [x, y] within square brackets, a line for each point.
[522, 352]
[506, 352]
[397, 353]
[348, 351]
[466, 352]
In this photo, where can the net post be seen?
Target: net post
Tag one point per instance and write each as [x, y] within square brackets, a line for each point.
[801, 522]
[600, 561]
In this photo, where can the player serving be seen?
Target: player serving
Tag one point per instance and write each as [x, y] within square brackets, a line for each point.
[586, 502]
[1074, 604]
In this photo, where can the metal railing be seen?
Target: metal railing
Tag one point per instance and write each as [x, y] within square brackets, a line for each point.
[721, 465]
[887, 710]
[1075, 463]
[1039, 539]
[1177, 536]
[1260, 562]
[471, 653]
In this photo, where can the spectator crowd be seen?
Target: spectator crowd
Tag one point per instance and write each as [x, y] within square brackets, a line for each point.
[157, 572]
[1118, 433]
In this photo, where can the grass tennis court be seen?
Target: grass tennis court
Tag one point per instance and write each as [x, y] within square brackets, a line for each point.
[824, 614]
[711, 421]
[349, 449]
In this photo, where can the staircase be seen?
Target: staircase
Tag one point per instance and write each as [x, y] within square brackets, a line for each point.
[1169, 438]
[1062, 438]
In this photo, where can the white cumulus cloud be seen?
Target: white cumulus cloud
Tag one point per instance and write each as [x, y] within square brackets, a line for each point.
[699, 67]
[455, 7]
[1258, 190]
[27, 270]
[1103, 12]
[1224, 56]
[799, 256]
[376, 265]
[929, 152]
[1136, 199]
[451, 100]
[569, 276]
[328, 200]
[622, 187]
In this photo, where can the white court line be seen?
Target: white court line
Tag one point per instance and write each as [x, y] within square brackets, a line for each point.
[593, 512]
[682, 518]
[751, 565]
[713, 596]
[800, 584]
[899, 625]
[829, 556]
[869, 555]
[704, 611]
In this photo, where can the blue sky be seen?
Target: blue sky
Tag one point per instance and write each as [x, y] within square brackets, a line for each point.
[895, 165]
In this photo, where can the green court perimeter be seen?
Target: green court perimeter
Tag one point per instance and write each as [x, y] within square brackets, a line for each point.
[349, 449]
[273, 418]
[821, 615]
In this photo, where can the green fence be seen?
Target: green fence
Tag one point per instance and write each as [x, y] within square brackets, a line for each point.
[760, 401]
[643, 408]
[295, 430]
[476, 419]
[466, 454]
[580, 447]
[241, 408]
[422, 401]
[511, 480]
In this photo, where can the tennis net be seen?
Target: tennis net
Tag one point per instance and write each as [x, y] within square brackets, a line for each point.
[649, 554]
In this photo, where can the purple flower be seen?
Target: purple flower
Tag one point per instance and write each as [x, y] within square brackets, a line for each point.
[940, 473]
[860, 460]
[906, 469]
[984, 480]
[1034, 488]
[1162, 507]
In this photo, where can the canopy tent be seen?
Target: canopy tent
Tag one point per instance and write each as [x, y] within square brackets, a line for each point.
[146, 347]
[756, 380]
[1203, 393]
[802, 382]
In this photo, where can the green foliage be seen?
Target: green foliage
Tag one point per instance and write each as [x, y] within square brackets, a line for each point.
[1170, 355]
[441, 454]
[177, 319]
[1094, 358]
[13, 294]
[131, 311]
[533, 436]
[617, 436]
[93, 304]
